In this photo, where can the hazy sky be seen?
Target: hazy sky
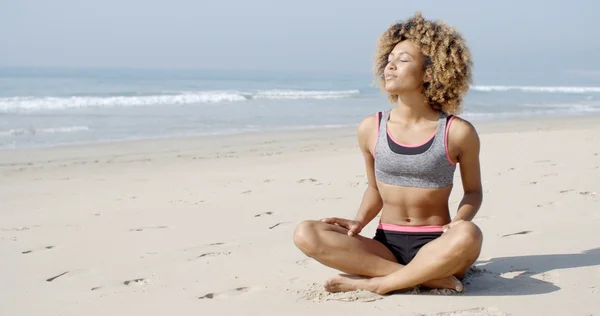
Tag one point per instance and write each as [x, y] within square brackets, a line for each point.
[522, 39]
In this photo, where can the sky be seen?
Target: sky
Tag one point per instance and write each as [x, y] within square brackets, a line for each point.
[521, 40]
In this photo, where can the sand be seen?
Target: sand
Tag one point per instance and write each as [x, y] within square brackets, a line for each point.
[203, 226]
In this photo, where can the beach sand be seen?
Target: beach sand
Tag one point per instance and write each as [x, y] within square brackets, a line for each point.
[203, 226]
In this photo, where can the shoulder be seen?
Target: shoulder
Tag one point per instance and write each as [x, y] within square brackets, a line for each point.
[462, 134]
[367, 129]
[367, 124]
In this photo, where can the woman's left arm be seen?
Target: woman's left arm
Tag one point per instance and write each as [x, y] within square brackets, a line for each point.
[466, 140]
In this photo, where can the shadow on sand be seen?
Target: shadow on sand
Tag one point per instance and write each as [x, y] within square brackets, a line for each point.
[523, 275]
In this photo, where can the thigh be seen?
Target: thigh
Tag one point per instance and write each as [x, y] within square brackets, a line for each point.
[465, 238]
[367, 244]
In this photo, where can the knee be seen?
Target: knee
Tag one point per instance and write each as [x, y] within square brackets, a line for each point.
[467, 237]
[306, 237]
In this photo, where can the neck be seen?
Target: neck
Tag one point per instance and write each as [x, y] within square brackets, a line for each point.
[414, 108]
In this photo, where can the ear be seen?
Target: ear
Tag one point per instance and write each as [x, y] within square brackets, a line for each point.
[426, 77]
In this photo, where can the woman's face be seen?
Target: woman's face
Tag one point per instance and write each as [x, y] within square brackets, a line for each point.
[405, 69]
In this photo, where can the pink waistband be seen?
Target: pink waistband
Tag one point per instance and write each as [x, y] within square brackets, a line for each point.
[410, 229]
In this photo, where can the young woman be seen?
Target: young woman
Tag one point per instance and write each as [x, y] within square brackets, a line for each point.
[410, 152]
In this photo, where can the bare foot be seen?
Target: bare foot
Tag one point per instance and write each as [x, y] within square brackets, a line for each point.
[348, 283]
[450, 282]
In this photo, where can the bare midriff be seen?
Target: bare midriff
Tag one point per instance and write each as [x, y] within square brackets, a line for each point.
[408, 206]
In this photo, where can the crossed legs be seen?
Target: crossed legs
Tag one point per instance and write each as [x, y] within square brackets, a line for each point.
[372, 267]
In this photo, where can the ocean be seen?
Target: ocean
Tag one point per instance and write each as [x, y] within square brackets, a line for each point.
[51, 107]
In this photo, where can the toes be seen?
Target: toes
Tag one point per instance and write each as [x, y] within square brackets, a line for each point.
[331, 285]
[458, 286]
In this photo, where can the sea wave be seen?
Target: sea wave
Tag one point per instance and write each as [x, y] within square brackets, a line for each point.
[31, 131]
[28, 103]
[542, 89]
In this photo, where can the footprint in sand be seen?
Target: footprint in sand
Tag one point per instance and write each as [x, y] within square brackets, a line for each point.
[478, 311]
[518, 233]
[229, 293]
[206, 254]
[279, 224]
[216, 244]
[186, 202]
[547, 204]
[148, 227]
[270, 154]
[330, 198]
[139, 282]
[17, 229]
[587, 193]
[549, 174]
[195, 248]
[70, 273]
[264, 213]
[56, 276]
[307, 180]
[305, 262]
[211, 254]
[38, 249]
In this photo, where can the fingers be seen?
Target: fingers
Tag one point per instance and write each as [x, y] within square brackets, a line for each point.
[347, 224]
[354, 229]
[330, 220]
[351, 226]
[335, 220]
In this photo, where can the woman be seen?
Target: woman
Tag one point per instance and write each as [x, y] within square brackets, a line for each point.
[410, 154]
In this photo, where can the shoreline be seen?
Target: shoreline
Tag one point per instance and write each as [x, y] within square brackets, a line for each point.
[165, 145]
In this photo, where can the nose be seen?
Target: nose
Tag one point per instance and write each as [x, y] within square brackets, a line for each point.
[390, 66]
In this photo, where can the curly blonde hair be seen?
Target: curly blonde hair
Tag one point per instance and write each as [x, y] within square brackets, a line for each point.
[447, 60]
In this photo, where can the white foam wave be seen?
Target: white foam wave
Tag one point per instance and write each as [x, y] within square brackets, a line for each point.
[293, 94]
[51, 103]
[537, 89]
[37, 103]
[30, 131]
[589, 107]
[531, 113]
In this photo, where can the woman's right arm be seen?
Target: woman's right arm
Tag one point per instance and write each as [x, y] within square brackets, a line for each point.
[371, 203]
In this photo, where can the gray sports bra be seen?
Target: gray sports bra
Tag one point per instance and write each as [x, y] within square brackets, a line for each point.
[423, 166]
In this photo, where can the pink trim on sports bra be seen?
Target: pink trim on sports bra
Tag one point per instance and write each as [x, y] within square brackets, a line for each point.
[446, 140]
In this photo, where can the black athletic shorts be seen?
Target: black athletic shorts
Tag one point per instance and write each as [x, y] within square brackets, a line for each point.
[405, 244]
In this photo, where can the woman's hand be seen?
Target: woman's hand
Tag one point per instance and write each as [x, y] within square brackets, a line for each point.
[446, 227]
[353, 227]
